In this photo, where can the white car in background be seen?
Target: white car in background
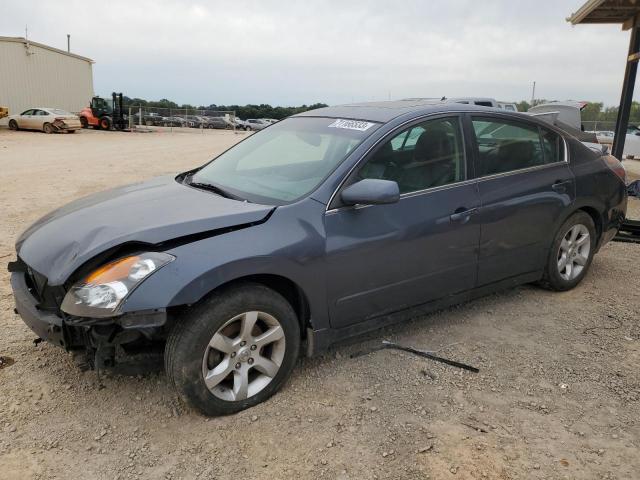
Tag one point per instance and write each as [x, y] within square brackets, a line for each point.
[256, 124]
[48, 120]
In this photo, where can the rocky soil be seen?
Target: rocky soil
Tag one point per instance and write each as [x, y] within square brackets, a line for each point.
[557, 396]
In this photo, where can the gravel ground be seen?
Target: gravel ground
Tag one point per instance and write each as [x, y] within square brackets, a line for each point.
[557, 396]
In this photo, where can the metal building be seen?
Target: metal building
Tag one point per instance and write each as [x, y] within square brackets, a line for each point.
[36, 75]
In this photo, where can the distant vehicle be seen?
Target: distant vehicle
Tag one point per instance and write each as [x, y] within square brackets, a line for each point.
[256, 124]
[218, 123]
[511, 107]
[240, 124]
[193, 121]
[48, 120]
[174, 122]
[149, 119]
[270, 120]
[104, 115]
[605, 136]
[479, 101]
[564, 115]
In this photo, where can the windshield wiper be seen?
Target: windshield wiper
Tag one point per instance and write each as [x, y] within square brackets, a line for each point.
[213, 188]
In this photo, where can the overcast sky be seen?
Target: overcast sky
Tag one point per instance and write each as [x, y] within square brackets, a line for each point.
[295, 52]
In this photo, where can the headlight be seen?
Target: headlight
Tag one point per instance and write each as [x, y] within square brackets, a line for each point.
[102, 292]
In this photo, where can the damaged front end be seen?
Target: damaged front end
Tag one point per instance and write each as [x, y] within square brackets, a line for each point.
[98, 342]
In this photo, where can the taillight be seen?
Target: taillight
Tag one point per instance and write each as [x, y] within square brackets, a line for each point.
[616, 166]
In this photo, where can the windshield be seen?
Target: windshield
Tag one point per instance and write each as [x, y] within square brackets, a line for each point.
[285, 161]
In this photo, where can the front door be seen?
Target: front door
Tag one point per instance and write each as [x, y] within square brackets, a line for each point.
[384, 258]
[26, 119]
[525, 186]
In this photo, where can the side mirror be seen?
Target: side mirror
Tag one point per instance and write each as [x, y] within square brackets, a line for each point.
[371, 192]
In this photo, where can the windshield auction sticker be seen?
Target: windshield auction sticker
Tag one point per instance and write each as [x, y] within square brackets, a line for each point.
[352, 125]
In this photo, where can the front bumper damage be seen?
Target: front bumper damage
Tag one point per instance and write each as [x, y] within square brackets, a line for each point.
[45, 325]
[99, 343]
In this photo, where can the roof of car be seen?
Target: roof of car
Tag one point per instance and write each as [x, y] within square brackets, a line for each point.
[386, 111]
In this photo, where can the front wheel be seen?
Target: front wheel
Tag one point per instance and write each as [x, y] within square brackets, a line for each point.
[84, 122]
[48, 128]
[233, 350]
[13, 125]
[105, 123]
[571, 253]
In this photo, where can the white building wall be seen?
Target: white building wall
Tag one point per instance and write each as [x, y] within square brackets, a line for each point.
[34, 75]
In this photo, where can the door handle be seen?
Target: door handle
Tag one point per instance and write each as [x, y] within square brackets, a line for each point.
[560, 185]
[462, 215]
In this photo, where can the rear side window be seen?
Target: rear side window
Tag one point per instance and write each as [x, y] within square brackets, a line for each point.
[553, 146]
[505, 146]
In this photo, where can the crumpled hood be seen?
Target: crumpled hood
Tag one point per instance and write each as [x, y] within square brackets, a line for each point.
[152, 212]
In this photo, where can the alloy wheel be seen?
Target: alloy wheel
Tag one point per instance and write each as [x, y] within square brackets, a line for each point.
[243, 356]
[573, 253]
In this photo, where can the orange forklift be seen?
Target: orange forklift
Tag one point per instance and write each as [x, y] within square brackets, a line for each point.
[104, 116]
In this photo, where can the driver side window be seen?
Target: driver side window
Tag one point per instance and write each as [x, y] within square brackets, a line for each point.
[426, 155]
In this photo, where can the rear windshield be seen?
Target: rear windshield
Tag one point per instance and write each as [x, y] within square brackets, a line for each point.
[285, 161]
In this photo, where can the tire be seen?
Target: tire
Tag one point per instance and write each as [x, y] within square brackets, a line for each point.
[84, 122]
[105, 123]
[13, 125]
[189, 356]
[71, 131]
[48, 128]
[571, 253]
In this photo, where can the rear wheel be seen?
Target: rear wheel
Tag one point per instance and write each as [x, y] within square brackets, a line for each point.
[571, 253]
[48, 128]
[84, 122]
[13, 125]
[234, 350]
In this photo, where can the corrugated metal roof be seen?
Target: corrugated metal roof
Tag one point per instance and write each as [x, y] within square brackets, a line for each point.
[605, 11]
[42, 45]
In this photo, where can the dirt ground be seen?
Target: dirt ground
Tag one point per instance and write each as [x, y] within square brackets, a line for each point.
[557, 396]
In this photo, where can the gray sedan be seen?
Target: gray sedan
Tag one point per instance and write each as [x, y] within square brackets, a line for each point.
[325, 225]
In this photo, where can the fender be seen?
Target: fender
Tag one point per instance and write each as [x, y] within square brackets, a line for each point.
[276, 247]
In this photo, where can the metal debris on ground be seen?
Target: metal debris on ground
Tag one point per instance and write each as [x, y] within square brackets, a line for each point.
[422, 353]
[629, 232]
[6, 361]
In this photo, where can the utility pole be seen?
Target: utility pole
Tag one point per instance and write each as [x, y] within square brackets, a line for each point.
[533, 93]
[68, 43]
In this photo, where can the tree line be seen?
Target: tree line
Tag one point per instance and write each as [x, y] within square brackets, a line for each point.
[592, 112]
[243, 111]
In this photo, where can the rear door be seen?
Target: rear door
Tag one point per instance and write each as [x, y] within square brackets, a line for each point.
[41, 117]
[384, 258]
[525, 185]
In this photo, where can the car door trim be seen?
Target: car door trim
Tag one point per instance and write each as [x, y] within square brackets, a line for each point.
[521, 170]
[403, 196]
